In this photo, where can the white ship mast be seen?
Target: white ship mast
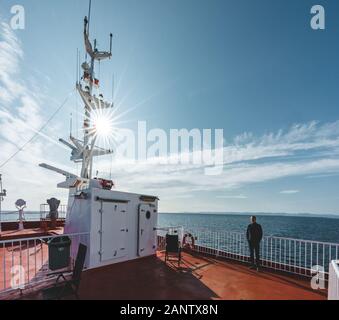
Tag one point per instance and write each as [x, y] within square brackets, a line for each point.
[84, 151]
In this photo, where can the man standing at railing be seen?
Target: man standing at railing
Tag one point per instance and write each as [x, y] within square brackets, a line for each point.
[254, 235]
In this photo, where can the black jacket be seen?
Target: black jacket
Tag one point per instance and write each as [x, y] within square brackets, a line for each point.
[254, 233]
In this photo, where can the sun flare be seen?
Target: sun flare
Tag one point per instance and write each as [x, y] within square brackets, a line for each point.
[103, 126]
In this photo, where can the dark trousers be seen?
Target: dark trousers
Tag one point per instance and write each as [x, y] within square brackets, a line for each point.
[255, 250]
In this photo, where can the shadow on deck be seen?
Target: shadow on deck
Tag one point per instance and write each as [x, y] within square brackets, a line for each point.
[198, 278]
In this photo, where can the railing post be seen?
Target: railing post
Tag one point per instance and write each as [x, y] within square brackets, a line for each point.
[218, 244]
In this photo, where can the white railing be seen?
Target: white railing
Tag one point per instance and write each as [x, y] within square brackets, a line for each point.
[279, 253]
[333, 281]
[25, 262]
[29, 257]
[13, 216]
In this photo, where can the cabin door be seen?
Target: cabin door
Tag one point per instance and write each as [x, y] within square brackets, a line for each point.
[147, 238]
[113, 231]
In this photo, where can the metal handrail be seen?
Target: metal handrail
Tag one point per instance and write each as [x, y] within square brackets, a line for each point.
[287, 254]
[31, 254]
[29, 216]
[265, 236]
[44, 237]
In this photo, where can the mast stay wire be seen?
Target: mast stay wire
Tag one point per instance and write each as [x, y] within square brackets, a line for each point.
[20, 149]
[89, 15]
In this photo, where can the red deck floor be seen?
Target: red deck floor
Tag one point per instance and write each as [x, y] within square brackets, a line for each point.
[32, 255]
[199, 278]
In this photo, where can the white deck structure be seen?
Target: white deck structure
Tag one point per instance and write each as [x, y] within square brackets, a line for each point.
[121, 226]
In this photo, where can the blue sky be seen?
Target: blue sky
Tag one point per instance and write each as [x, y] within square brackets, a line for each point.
[253, 68]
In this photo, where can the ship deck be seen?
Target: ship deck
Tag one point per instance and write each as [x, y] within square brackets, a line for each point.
[198, 278]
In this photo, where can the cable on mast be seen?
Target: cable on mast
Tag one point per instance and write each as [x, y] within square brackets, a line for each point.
[89, 15]
[20, 149]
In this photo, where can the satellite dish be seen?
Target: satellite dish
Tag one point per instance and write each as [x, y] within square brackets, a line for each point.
[20, 204]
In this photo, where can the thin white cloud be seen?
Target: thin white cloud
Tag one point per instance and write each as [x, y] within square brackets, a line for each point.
[319, 176]
[303, 150]
[289, 191]
[20, 118]
[11, 54]
[240, 196]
